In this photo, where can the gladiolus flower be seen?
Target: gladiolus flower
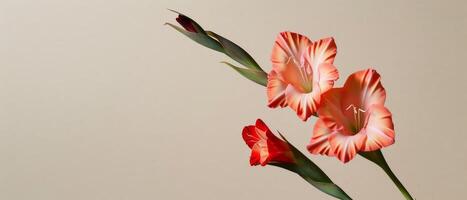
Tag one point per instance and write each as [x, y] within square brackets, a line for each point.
[265, 146]
[301, 71]
[353, 118]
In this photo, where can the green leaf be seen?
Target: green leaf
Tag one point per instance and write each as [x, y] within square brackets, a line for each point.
[327, 187]
[259, 77]
[309, 171]
[236, 52]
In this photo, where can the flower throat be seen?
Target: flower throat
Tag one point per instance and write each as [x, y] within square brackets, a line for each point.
[359, 117]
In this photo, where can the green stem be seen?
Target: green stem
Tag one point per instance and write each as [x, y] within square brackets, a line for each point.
[397, 182]
[378, 158]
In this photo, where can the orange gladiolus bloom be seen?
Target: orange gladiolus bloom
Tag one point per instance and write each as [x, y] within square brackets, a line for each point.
[353, 118]
[265, 146]
[301, 71]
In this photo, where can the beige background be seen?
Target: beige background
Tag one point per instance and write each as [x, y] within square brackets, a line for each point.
[99, 100]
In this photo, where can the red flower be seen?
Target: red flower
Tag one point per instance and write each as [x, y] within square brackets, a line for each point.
[265, 146]
[353, 118]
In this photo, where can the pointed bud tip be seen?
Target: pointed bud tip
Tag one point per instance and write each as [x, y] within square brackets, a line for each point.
[186, 23]
[173, 10]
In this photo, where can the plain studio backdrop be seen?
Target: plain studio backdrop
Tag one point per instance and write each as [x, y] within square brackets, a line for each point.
[100, 100]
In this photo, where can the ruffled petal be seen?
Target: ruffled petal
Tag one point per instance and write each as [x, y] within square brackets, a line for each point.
[327, 74]
[262, 148]
[379, 128]
[255, 158]
[345, 147]
[363, 89]
[332, 113]
[288, 59]
[289, 44]
[319, 143]
[265, 146]
[250, 136]
[304, 104]
[262, 127]
[322, 51]
[276, 91]
[255, 137]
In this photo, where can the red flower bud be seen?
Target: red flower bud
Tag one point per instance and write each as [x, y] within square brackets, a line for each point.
[186, 22]
[265, 146]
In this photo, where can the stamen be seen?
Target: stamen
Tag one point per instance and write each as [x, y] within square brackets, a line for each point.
[357, 114]
[302, 71]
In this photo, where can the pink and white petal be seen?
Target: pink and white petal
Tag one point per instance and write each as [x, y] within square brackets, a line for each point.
[322, 51]
[331, 111]
[304, 104]
[287, 58]
[345, 147]
[366, 83]
[288, 45]
[379, 128]
[327, 74]
[276, 91]
[319, 143]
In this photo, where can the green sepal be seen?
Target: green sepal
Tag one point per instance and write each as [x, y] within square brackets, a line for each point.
[309, 171]
[254, 75]
[375, 157]
[236, 52]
